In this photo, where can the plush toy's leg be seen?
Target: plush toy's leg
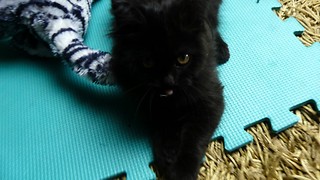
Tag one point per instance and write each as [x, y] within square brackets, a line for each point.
[86, 62]
[61, 28]
[65, 39]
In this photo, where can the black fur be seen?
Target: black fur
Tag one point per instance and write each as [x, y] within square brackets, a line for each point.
[183, 103]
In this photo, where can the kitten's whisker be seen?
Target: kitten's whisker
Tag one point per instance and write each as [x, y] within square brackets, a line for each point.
[189, 96]
[198, 91]
[133, 88]
[141, 100]
[150, 104]
[195, 88]
[191, 99]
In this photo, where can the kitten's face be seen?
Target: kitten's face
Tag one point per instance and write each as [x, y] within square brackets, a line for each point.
[160, 47]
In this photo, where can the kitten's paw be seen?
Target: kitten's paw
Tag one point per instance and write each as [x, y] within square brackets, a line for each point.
[177, 174]
[165, 158]
[175, 170]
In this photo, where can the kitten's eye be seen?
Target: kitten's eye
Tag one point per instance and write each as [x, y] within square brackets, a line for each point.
[183, 60]
[148, 64]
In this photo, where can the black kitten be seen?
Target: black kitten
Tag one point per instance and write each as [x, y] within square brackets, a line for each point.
[165, 53]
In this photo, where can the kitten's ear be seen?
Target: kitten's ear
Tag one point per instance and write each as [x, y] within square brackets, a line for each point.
[125, 12]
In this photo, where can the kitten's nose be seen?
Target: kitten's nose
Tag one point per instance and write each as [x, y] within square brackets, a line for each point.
[168, 83]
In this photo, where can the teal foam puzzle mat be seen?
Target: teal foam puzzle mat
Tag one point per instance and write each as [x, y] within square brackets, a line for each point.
[269, 73]
[55, 125]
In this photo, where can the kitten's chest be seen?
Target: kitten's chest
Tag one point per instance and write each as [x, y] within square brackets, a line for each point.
[171, 108]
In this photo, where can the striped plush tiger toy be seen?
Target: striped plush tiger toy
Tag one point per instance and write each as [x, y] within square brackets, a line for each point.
[55, 28]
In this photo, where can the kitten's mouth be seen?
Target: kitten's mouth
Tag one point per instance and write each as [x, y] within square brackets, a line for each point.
[166, 92]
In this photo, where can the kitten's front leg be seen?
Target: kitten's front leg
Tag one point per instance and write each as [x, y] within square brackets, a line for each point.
[167, 163]
[179, 151]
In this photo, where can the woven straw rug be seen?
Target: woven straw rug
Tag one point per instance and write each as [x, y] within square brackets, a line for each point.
[292, 154]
